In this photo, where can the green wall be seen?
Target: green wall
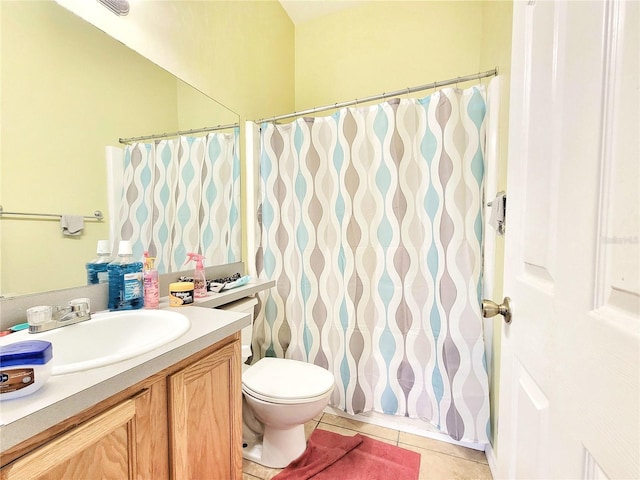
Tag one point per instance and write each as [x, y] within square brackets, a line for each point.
[52, 149]
[52, 144]
[385, 46]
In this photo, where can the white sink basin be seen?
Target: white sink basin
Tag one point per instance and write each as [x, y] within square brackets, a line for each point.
[107, 338]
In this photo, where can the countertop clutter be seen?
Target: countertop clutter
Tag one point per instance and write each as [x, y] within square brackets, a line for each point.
[66, 395]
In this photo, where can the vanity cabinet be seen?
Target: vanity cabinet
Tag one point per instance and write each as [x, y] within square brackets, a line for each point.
[205, 417]
[182, 423]
[105, 446]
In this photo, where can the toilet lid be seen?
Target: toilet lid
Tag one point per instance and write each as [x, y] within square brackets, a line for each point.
[284, 379]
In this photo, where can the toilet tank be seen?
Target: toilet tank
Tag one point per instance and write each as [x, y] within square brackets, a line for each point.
[244, 305]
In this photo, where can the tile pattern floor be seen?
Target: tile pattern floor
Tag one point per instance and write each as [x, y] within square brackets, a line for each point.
[439, 460]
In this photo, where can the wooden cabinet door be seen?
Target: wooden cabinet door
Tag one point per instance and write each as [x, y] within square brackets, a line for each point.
[205, 417]
[103, 447]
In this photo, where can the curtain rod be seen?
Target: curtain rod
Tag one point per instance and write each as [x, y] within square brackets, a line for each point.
[97, 215]
[382, 96]
[178, 133]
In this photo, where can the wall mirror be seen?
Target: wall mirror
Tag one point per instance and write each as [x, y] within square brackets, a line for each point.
[69, 90]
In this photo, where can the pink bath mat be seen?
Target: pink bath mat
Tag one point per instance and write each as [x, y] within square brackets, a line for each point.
[330, 456]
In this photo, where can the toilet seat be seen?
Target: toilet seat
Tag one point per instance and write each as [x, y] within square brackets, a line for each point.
[284, 381]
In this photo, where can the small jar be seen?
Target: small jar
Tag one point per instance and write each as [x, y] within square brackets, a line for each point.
[180, 293]
[24, 367]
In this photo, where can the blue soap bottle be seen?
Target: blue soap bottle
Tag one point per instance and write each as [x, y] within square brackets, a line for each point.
[97, 268]
[125, 280]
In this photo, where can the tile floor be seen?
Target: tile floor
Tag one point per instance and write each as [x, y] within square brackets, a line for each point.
[439, 460]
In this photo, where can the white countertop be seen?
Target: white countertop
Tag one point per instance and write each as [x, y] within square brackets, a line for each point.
[63, 396]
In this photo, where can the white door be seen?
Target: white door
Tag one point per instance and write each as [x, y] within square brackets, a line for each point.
[569, 404]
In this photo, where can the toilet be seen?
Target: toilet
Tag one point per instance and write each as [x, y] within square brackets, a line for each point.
[279, 396]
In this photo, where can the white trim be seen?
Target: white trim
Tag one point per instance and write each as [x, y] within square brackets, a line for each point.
[592, 471]
[610, 64]
[252, 169]
[114, 157]
[491, 183]
[492, 155]
[491, 460]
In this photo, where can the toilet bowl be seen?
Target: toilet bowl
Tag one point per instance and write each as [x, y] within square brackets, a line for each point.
[283, 395]
[279, 397]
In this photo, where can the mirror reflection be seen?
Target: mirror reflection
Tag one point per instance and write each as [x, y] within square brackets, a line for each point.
[69, 91]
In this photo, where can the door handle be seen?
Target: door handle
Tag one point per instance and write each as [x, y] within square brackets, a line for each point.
[491, 309]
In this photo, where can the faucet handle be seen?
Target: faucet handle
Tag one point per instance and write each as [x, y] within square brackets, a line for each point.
[80, 305]
[77, 310]
[39, 315]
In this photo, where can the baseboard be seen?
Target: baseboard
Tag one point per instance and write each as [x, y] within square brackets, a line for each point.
[491, 460]
[415, 426]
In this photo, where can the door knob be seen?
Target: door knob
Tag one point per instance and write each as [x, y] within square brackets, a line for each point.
[491, 309]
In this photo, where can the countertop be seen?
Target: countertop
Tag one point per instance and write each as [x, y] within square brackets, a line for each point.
[63, 396]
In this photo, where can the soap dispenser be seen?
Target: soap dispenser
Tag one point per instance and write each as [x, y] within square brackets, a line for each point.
[151, 283]
[199, 278]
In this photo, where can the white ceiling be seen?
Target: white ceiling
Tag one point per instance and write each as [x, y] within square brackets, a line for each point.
[302, 10]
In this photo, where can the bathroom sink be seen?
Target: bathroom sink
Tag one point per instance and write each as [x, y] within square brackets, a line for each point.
[108, 337]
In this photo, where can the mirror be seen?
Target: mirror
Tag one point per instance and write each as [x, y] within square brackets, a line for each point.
[69, 90]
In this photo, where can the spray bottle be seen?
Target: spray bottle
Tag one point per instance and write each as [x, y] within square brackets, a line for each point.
[199, 279]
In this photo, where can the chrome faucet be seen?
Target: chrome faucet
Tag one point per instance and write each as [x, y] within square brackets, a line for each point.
[77, 311]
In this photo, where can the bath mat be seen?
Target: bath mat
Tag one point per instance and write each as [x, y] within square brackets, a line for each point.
[330, 456]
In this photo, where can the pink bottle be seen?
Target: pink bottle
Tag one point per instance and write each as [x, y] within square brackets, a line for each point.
[199, 279]
[151, 283]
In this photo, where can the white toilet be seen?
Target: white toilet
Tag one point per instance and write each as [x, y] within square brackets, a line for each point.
[279, 397]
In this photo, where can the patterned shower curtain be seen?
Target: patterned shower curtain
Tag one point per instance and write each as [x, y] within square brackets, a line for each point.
[182, 195]
[370, 223]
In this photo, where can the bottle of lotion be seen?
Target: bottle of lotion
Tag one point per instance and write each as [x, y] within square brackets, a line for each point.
[151, 283]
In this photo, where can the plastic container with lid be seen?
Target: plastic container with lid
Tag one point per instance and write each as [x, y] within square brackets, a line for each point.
[180, 293]
[24, 367]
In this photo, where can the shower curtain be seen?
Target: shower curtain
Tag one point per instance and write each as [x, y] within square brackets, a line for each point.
[182, 195]
[370, 223]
